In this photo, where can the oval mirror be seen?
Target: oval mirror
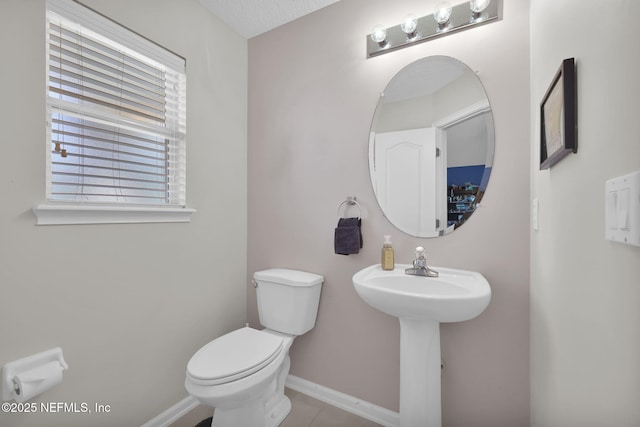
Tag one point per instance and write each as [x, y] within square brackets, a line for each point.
[431, 146]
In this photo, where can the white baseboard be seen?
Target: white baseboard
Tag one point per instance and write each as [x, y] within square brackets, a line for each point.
[174, 413]
[356, 406]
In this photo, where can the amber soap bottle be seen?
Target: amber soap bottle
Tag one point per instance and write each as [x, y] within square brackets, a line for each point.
[387, 261]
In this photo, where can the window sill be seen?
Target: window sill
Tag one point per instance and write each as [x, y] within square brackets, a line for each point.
[60, 214]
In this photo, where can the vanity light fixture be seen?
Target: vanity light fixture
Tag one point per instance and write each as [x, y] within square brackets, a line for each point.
[479, 6]
[444, 20]
[442, 14]
[379, 35]
[408, 25]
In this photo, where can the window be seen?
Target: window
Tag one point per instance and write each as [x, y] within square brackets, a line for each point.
[116, 114]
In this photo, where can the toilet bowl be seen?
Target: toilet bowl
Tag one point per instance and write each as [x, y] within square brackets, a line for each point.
[242, 374]
[246, 391]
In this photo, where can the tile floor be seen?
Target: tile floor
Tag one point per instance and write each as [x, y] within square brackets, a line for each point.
[305, 412]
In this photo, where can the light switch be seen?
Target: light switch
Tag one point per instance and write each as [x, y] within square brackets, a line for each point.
[622, 209]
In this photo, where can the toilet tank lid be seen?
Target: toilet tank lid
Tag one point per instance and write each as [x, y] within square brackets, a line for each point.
[288, 277]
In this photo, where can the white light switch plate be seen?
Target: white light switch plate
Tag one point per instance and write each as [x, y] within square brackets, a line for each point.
[622, 209]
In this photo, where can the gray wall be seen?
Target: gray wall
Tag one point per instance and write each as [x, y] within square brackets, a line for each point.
[128, 304]
[312, 95]
[585, 321]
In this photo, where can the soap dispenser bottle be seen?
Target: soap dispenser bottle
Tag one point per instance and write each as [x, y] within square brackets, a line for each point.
[387, 254]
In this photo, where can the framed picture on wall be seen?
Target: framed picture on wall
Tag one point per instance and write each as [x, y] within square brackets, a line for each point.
[558, 132]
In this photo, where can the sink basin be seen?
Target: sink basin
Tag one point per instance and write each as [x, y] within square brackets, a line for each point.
[421, 304]
[454, 296]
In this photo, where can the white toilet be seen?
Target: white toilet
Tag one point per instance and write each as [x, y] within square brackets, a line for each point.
[242, 374]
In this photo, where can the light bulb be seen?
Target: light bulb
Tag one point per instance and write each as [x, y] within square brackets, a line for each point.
[409, 24]
[442, 13]
[378, 34]
[478, 6]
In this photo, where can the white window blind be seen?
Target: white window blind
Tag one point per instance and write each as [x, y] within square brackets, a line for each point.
[116, 113]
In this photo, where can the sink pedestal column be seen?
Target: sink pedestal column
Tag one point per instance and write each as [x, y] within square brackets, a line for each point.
[420, 400]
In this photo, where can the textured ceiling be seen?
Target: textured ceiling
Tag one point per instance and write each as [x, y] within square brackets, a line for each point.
[253, 17]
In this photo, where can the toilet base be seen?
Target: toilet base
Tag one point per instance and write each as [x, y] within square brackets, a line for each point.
[250, 415]
[278, 412]
[254, 414]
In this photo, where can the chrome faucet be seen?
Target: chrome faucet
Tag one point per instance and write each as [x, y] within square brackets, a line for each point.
[420, 265]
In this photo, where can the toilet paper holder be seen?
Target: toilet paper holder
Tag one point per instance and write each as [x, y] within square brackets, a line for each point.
[10, 387]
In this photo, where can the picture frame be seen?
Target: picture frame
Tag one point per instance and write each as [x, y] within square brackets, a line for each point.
[558, 125]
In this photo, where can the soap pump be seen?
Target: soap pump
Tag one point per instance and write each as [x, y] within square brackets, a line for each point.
[387, 261]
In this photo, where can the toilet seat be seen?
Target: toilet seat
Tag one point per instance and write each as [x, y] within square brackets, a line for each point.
[232, 356]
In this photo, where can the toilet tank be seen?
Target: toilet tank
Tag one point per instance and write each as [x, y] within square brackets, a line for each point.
[287, 299]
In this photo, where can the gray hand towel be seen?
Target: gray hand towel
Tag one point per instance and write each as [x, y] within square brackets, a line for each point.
[348, 236]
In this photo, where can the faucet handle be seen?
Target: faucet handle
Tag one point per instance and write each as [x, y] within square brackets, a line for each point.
[420, 261]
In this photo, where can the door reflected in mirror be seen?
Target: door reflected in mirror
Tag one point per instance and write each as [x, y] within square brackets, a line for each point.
[431, 146]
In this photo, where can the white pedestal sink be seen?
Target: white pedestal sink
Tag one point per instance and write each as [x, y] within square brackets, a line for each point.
[421, 304]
